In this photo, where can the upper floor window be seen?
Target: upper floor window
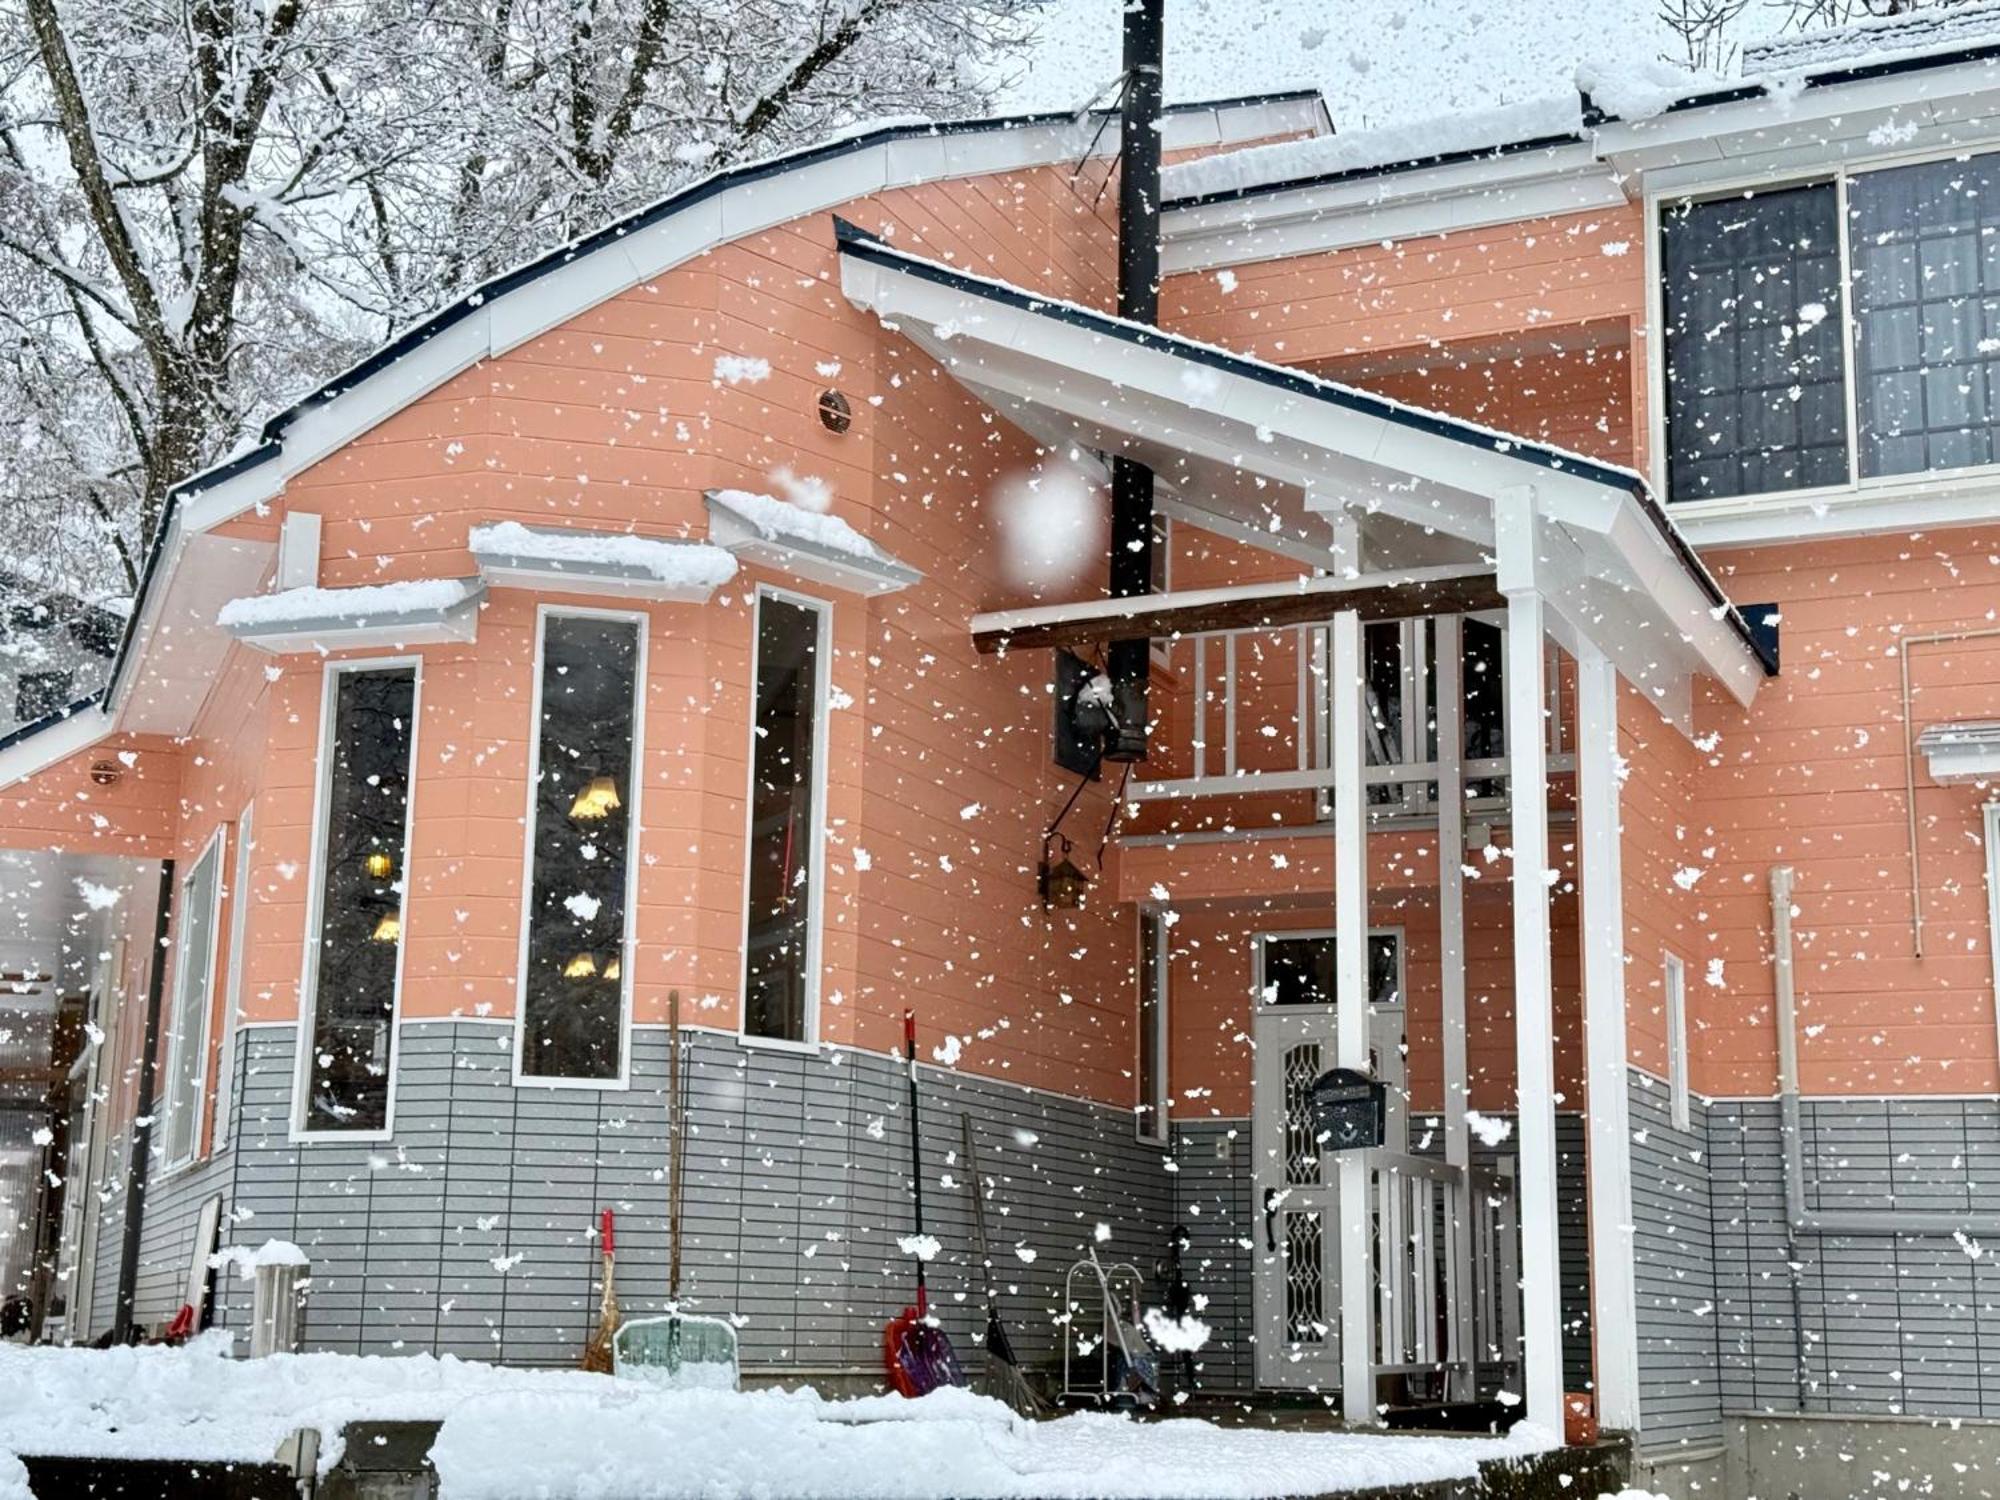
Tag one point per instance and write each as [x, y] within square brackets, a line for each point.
[781, 938]
[365, 770]
[1767, 293]
[578, 922]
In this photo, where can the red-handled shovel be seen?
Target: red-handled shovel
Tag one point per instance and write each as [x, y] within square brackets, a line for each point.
[916, 1353]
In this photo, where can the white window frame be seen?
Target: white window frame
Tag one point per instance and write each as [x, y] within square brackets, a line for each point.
[816, 854]
[232, 988]
[316, 897]
[1990, 817]
[1673, 997]
[628, 943]
[1154, 1120]
[1163, 646]
[1927, 484]
[178, 1050]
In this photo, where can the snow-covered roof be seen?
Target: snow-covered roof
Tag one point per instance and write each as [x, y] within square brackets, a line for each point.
[1875, 39]
[575, 560]
[813, 544]
[418, 611]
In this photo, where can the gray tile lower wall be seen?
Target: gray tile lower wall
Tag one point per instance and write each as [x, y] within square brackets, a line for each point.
[1881, 1324]
[1214, 1198]
[470, 1232]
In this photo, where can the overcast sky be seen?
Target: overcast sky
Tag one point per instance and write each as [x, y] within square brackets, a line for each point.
[1377, 61]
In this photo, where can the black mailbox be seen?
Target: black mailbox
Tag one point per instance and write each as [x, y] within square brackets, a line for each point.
[1350, 1110]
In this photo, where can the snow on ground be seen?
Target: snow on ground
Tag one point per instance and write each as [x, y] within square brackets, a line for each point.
[564, 1435]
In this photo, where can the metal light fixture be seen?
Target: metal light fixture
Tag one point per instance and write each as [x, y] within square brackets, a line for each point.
[379, 866]
[583, 966]
[1063, 885]
[389, 929]
[598, 799]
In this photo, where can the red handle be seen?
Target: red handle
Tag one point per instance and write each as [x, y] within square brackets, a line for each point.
[605, 1224]
[910, 1033]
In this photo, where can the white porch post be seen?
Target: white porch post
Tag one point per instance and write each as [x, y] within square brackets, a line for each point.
[1615, 1298]
[1517, 545]
[1451, 984]
[1350, 949]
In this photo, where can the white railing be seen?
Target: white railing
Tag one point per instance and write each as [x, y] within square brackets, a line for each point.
[1446, 1242]
[1256, 704]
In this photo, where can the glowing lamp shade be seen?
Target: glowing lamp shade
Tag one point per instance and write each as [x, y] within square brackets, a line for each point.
[389, 929]
[581, 967]
[598, 799]
[612, 970]
[379, 866]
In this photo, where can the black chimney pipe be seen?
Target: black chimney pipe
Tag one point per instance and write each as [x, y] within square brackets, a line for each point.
[1138, 300]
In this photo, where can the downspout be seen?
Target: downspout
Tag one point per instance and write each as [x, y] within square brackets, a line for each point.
[1801, 1219]
[1139, 301]
[142, 1119]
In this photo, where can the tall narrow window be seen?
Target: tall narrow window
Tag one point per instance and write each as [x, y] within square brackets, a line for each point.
[232, 989]
[1674, 981]
[194, 984]
[781, 946]
[573, 1001]
[1154, 1118]
[366, 801]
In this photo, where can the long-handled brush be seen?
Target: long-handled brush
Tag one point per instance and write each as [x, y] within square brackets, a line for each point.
[1002, 1375]
[597, 1353]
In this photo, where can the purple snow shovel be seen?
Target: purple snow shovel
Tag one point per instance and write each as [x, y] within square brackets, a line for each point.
[915, 1351]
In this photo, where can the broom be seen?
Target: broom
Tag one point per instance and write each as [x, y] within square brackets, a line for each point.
[597, 1352]
[1002, 1376]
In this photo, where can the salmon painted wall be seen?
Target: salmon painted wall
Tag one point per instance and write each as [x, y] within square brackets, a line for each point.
[62, 808]
[1812, 776]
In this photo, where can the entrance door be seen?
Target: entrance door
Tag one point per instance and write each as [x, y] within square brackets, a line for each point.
[1295, 1185]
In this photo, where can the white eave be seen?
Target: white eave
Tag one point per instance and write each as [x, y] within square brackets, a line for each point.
[1271, 451]
[572, 560]
[425, 612]
[819, 549]
[1367, 206]
[1962, 750]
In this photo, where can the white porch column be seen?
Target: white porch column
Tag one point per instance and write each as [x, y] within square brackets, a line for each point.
[1450, 634]
[1350, 958]
[1614, 1286]
[1517, 545]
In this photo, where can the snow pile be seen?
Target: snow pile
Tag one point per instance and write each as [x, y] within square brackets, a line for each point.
[1365, 150]
[246, 1261]
[676, 563]
[1640, 88]
[13, 1478]
[197, 1402]
[566, 1435]
[646, 1445]
[375, 601]
[774, 520]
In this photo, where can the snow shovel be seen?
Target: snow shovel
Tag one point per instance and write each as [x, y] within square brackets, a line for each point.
[597, 1353]
[681, 1351]
[917, 1355]
[1002, 1376]
[1134, 1377]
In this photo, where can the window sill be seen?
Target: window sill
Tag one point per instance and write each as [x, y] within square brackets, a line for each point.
[1898, 503]
[775, 1044]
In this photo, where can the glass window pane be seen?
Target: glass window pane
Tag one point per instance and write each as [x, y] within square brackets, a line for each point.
[194, 978]
[778, 975]
[361, 899]
[1924, 265]
[573, 1000]
[1755, 389]
[1152, 1089]
[1300, 970]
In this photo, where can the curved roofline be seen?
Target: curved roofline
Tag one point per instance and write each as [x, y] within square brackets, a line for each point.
[483, 297]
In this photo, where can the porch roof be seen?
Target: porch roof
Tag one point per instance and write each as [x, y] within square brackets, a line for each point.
[1330, 476]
